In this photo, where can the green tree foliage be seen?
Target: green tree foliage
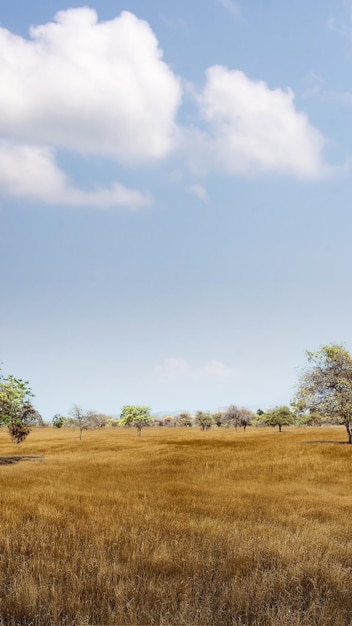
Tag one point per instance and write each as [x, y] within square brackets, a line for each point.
[218, 417]
[204, 420]
[310, 418]
[137, 416]
[325, 386]
[16, 409]
[278, 416]
[58, 420]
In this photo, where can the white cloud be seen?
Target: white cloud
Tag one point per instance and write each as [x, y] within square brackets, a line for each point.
[176, 368]
[231, 6]
[216, 369]
[252, 129]
[91, 87]
[28, 171]
[199, 191]
[102, 88]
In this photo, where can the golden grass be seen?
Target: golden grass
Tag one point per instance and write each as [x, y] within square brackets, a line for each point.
[177, 527]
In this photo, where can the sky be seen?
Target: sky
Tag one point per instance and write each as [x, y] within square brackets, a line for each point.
[175, 199]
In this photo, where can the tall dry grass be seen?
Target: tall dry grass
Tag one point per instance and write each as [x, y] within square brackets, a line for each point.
[177, 527]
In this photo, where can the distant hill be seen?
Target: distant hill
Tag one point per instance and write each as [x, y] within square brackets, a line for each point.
[173, 413]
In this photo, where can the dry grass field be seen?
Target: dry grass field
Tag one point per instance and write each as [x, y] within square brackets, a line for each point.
[178, 527]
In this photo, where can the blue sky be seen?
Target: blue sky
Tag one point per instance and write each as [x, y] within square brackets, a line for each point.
[175, 199]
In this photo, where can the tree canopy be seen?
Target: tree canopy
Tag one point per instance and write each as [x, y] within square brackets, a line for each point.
[16, 409]
[238, 416]
[325, 386]
[204, 420]
[278, 416]
[137, 416]
[184, 419]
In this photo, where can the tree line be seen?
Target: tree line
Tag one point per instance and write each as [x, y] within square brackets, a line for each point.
[323, 395]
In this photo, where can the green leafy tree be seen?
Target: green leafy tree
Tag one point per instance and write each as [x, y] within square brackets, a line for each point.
[137, 416]
[204, 420]
[278, 416]
[218, 417]
[16, 409]
[325, 386]
[58, 420]
[310, 418]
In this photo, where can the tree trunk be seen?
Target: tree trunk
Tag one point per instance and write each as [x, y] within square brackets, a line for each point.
[280, 427]
[348, 426]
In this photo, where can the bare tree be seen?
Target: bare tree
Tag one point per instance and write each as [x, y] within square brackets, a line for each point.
[79, 419]
[238, 416]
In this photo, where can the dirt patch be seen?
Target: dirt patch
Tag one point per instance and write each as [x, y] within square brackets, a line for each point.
[9, 460]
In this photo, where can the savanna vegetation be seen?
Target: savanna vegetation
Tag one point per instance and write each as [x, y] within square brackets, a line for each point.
[206, 523]
[180, 526]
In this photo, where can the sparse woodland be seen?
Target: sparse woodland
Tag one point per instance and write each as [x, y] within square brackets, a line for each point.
[177, 527]
[211, 524]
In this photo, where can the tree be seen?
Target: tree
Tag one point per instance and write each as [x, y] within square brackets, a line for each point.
[96, 420]
[325, 386]
[137, 416]
[310, 418]
[204, 420]
[278, 416]
[168, 420]
[238, 416]
[16, 409]
[58, 420]
[247, 416]
[79, 419]
[184, 419]
[218, 418]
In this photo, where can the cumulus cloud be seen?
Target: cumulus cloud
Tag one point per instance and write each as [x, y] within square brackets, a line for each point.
[91, 87]
[103, 88]
[87, 87]
[28, 171]
[252, 129]
[177, 368]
